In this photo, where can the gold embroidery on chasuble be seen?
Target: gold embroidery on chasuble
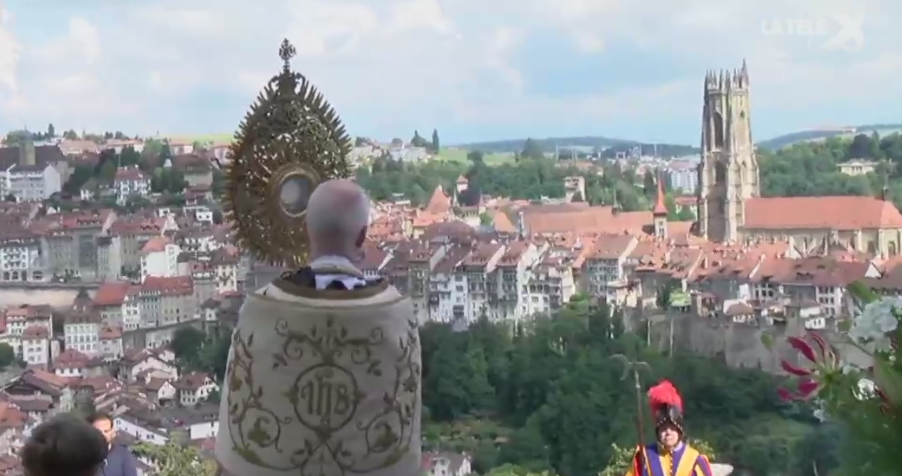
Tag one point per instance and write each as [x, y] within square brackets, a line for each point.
[323, 387]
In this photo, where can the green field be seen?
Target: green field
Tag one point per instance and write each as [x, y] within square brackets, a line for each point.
[460, 155]
[203, 138]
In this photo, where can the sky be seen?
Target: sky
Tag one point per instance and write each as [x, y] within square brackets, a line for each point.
[476, 70]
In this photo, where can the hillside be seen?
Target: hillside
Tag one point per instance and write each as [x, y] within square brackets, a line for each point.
[512, 145]
[611, 147]
[821, 134]
[608, 147]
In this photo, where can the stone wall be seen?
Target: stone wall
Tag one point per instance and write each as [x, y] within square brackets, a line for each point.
[739, 345]
[11, 297]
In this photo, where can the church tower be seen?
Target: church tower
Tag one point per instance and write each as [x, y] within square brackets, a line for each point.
[728, 172]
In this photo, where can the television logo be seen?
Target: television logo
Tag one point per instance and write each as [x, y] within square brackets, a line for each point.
[840, 31]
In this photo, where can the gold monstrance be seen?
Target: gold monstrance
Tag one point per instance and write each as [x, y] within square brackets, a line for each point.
[289, 142]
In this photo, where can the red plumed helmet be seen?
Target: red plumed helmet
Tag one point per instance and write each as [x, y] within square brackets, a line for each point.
[666, 405]
[665, 393]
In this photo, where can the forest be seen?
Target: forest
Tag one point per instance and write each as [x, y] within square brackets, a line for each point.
[529, 178]
[803, 169]
[555, 397]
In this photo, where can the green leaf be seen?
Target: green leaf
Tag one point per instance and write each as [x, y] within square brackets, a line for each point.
[767, 340]
[888, 380]
[862, 293]
[844, 325]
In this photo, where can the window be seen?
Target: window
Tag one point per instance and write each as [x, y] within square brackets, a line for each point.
[718, 131]
[720, 172]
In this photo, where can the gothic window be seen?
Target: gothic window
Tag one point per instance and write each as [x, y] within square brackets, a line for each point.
[720, 172]
[718, 130]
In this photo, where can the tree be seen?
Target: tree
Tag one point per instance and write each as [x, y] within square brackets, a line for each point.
[532, 150]
[70, 135]
[649, 185]
[7, 355]
[51, 131]
[10, 198]
[685, 214]
[214, 355]
[107, 171]
[129, 157]
[153, 149]
[165, 152]
[436, 145]
[84, 401]
[577, 197]
[16, 138]
[186, 345]
[218, 183]
[529, 179]
[168, 181]
[514, 470]
[417, 140]
[418, 195]
[175, 459]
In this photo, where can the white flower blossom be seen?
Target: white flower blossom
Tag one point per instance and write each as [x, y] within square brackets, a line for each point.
[820, 412]
[875, 321]
[849, 368]
[866, 390]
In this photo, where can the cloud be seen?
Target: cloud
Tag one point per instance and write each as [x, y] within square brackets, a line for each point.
[10, 51]
[589, 42]
[470, 68]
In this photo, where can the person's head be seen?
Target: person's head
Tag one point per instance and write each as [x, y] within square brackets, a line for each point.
[338, 214]
[669, 435]
[104, 424]
[64, 446]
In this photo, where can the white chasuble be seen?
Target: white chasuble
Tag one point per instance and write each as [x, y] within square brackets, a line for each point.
[324, 384]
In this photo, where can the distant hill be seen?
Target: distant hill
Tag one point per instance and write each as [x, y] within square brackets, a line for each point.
[547, 144]
[826, 133]
[604, 146]
[607, 147]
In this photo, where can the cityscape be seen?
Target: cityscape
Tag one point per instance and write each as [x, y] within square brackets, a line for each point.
[120, 280]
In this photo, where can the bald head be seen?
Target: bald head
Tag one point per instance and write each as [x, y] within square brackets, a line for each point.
[338, 213]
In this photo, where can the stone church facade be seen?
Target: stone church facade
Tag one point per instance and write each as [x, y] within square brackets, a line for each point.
[730, 206]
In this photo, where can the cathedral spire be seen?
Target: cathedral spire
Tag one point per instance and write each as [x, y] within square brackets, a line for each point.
[660, 204]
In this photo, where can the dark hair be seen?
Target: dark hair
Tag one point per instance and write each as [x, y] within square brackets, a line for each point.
[64, 446]
[99, 416]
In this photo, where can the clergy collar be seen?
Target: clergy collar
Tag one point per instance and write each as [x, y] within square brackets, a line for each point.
[332, 264]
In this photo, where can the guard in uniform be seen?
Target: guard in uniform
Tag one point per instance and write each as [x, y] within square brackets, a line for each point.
[670, 454]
